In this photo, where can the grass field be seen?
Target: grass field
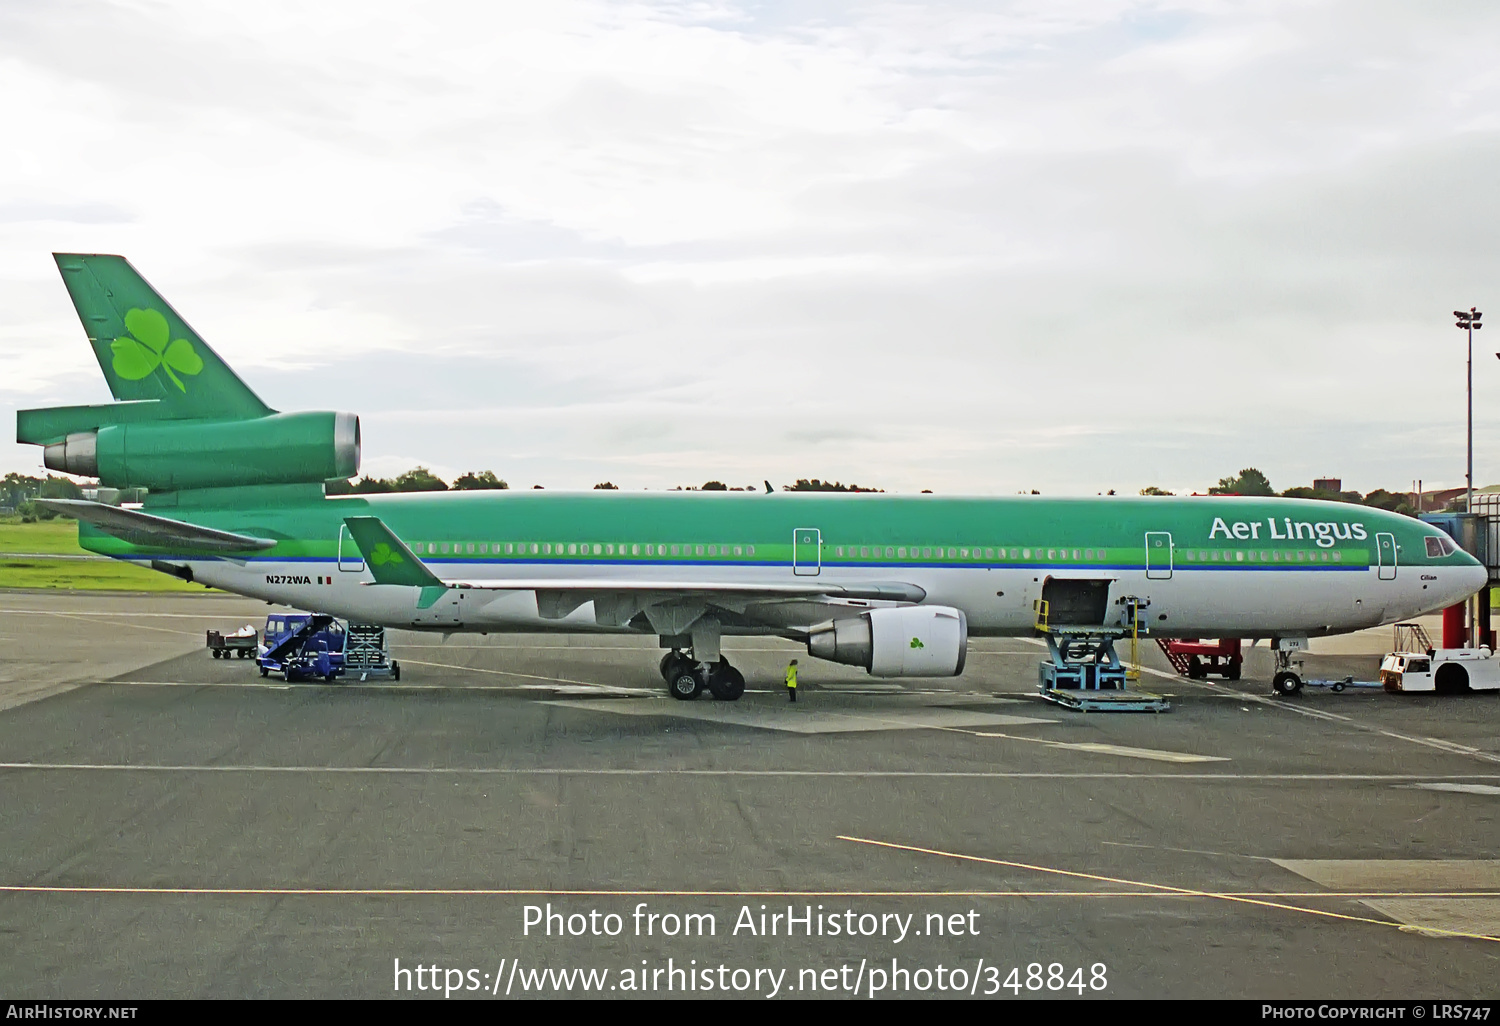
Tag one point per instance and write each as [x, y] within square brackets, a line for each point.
[87, 575]
[59, 536]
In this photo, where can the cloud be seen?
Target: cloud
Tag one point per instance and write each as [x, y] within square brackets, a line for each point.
[967, 246]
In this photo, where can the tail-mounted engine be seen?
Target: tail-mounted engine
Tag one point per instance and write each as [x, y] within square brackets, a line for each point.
[167, 455]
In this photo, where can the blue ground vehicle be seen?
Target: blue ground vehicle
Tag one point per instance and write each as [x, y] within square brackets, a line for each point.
[301, 646]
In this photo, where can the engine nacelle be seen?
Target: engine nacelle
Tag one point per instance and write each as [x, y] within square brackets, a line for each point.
[286, 448]
[904, 641]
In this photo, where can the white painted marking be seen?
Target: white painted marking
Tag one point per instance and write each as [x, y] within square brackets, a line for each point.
[812, 721]
[1100, 748]
[1398, 874]
[1441, 918]
[352, 684]
[1458, 788]
[1321, 778]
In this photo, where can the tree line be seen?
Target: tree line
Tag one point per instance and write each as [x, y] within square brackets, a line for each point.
[1251, 481]
[420, 479]
[417, 479]
[19, 492]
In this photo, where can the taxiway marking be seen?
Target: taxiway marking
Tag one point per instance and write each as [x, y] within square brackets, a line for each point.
[1321, 778]
[1100, 748]
[505, 892]
[1161, 888]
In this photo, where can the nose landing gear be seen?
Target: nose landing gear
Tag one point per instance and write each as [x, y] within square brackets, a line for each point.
[1287, 681]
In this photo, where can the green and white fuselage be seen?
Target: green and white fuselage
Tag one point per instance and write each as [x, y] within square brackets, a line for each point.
[1209, 566]
[235, 499]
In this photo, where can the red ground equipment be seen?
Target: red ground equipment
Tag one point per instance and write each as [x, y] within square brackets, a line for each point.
[1197, 659]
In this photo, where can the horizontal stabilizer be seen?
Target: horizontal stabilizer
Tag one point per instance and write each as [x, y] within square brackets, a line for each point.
[387, 556]
[144, 529]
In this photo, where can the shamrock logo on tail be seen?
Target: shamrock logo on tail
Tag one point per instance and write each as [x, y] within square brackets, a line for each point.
[917, 643]
[146, 348]
[382, 554]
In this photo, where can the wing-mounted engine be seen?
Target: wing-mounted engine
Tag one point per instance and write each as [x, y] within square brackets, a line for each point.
[901, 641]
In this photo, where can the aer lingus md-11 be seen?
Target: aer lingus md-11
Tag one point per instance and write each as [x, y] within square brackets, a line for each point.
[896, 584]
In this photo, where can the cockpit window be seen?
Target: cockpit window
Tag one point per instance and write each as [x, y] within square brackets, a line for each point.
[1440, 545]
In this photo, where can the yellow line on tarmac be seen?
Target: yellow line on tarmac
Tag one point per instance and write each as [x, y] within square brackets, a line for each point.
[1160, 888]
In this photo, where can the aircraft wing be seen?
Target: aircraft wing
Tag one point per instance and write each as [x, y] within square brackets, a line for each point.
[146, 529]
[391, 562]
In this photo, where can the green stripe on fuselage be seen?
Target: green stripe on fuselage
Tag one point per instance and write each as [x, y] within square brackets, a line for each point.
[1116, 526]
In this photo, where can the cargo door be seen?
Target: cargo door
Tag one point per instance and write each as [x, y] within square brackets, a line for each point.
[442, 610]
[1385, 555]
[807, 551]
[1158, 556]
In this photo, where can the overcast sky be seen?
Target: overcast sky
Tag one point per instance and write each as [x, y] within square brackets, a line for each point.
[1068, 245]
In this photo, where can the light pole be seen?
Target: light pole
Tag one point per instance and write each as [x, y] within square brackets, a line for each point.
[1468, 320]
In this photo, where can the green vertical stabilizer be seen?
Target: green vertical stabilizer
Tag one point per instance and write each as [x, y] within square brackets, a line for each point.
[146, 350]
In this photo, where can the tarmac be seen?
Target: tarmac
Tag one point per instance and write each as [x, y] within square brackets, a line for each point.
[177, 826]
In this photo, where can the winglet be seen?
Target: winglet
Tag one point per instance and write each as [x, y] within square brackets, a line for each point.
[387, 556]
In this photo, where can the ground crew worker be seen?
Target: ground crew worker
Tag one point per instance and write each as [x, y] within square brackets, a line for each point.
[791, 681]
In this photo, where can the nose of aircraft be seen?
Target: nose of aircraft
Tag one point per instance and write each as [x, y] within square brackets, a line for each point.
[1466, 580]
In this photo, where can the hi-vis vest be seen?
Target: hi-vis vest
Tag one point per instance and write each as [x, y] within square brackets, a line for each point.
[791, 676]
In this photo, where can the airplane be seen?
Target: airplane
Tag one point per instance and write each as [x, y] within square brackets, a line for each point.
[234, 498]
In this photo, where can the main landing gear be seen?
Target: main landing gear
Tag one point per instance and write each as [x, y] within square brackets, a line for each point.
[686, 678]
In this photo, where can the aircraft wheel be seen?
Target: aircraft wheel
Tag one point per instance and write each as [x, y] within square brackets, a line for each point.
[1286, 683]
[726, 683]
[685, 685]
[673, 663]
